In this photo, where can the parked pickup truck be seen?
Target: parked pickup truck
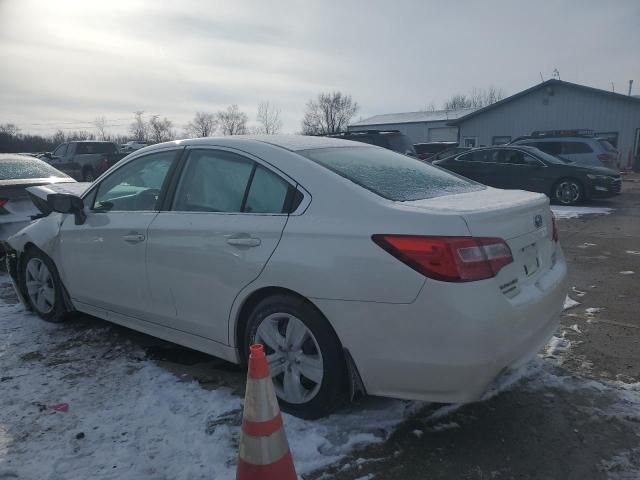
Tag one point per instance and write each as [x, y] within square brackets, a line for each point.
[84, 160]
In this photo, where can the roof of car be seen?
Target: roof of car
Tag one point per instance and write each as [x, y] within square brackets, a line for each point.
[288, 142]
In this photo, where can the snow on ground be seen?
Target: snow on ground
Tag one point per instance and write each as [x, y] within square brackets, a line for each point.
[128, 418]
[569, 303]
[562, 211]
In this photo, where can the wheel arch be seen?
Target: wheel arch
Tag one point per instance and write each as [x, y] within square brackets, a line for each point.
[249, 303]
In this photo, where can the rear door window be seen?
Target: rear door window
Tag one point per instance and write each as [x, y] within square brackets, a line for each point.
[221, 181]
[389, 174]
[570, 148]
[552, 148]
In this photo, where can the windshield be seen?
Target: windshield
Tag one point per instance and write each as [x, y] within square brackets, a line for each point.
[19, 168]
[389, 174]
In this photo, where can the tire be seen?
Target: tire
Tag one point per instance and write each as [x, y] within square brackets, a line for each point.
[88, 175]
[319, 393]
[38, 276]
[568, 191]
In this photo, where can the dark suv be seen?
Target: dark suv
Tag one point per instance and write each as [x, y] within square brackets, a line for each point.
[389, 139]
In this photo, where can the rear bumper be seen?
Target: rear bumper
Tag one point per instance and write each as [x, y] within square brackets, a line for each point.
[451, 344]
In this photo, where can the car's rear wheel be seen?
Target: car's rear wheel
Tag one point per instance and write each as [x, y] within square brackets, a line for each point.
[42, 286]
[568, 191]
[305, 357]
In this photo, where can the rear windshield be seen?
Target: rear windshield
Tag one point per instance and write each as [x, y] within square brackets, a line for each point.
[607, 146]
[389, 174]
[14, 169]
[86, 148]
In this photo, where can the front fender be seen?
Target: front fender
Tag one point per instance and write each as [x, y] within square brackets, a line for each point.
[43, 233]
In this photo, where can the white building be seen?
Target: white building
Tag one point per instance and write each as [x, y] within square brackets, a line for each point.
[421, 127]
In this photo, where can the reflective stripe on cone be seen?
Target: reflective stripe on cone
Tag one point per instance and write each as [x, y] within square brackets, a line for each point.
[264, 451]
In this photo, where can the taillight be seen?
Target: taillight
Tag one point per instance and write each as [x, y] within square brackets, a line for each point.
[450, 259]
[605, 157]
[3, 202]
[554, 225]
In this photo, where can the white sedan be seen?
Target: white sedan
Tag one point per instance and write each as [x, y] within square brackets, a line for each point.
[358, 268]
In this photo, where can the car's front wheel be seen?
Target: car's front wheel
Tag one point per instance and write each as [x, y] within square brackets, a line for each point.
[42, 286]
[568, 191]
[305, 357]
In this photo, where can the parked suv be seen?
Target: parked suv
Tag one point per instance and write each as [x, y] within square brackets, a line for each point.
[84, 160]
[389, 139]
[581, 148]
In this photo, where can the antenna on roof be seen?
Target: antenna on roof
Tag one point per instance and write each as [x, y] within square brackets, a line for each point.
[556, 74]
[630, 85]
[613, 87]
[541, 77]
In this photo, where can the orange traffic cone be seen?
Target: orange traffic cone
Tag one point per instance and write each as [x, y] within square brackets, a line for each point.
[264, 450]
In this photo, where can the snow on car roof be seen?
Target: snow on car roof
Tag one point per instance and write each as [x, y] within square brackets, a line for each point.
[302, 142]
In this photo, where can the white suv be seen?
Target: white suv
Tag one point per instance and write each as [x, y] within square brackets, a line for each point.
[580, 149]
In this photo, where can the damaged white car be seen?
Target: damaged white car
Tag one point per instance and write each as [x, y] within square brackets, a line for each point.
[358, 268]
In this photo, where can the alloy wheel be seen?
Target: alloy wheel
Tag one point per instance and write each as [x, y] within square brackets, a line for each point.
[294, 357]
[40, 286]
[567, 192]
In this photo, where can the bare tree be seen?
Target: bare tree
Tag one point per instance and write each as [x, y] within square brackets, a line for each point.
[138, 128]
[329, 113]
[478, 98]
[457, 102]
[100, 123]
[431, 107]
[269, 119]
[160, 130]
[232, 121]
[58, 137]
[202, 125]
[10, 129]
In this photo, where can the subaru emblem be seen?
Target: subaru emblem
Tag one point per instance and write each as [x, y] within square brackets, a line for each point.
[537, 221]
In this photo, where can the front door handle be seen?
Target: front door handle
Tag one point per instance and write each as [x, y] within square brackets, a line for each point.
[244, 241]
[133, 237]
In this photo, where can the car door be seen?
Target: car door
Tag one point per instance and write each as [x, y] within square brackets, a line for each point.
[67, 162]
[475, 165]
[103, 260]
[522, 171]
[224, 222]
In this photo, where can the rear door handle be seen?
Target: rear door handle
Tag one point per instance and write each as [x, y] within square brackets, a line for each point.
[133, 237]
[244, 241]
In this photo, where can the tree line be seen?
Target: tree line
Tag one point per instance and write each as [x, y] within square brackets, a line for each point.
[328, 113]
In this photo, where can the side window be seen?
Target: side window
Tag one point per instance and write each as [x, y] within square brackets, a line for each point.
[513, 157]
[219, 181]
[575, 147]
[213, 181]
[136, 186]
[552, 148]
[531, 161]
[267, 193]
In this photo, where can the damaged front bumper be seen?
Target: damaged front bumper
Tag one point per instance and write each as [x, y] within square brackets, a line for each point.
[11, 265]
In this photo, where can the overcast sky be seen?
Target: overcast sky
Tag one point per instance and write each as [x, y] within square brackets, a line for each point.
[65, 62]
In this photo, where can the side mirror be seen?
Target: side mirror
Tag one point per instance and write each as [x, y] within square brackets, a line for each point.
[66, 203]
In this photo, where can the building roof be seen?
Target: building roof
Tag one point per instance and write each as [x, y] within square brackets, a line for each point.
[545, 84]
[413, 117]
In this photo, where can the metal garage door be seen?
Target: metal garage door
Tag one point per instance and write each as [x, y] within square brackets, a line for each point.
[443, 134]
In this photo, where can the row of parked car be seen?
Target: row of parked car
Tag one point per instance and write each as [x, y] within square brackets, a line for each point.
[569, 167]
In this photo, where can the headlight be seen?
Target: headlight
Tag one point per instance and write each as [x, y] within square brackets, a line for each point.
[598, 177]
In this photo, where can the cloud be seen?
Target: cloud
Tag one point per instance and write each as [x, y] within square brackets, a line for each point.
[73, 59]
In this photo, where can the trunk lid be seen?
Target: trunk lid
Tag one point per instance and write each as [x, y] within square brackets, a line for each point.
[522, 219]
